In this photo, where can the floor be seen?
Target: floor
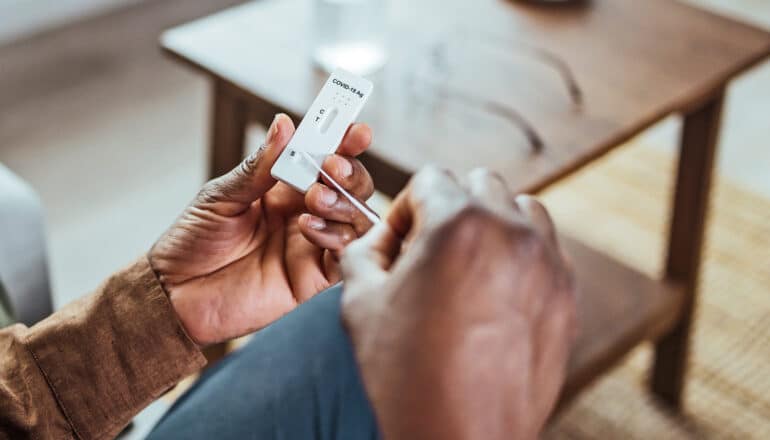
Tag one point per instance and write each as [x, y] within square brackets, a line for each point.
[109, 132]
[112, 135]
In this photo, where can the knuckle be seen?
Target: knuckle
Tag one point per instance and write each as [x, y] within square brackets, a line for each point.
[363, 183]
[538, 214]
[222, 186]
[209, 192]
[531, 204]
[433, 186]
[216, 189]
[468, 214]
[249, 164]
[367, 187]
[430, 174]
[431, 169]
[480, 180]
[527, 239]
[483, 173]
[472, 223]
[494, 176]
[463, 225]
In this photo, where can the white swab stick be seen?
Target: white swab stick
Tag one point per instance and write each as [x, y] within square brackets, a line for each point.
[365, 210]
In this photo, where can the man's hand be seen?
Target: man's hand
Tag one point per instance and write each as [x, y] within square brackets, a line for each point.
[460, 308]
[248, 249]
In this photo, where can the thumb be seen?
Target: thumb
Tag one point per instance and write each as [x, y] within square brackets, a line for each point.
[234, 192]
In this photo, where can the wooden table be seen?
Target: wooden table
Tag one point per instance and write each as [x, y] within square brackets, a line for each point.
[531, 92]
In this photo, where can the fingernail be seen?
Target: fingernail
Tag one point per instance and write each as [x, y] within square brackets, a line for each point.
[273, 130]
[328, 197]
[344, 168]
[316, 223]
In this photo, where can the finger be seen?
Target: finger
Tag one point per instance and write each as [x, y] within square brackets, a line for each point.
[351, 174]
[233, 193]
[491, 190]
[356, 140]
[538, 216]
[329, 235]
[328, 204]
[369, 258]
[332, 269]
[304, 277]
[432, 196]
[365, 264]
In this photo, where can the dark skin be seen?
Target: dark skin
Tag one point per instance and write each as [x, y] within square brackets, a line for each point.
[461, 311]
[460, 306]
[249, 249]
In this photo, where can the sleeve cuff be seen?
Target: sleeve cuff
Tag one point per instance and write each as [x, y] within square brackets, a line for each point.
[110, 354]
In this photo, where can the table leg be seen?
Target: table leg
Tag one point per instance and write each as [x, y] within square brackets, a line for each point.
[696, 160]
[229, 116]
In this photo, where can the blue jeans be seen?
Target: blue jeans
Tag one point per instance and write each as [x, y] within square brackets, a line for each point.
[296, 379]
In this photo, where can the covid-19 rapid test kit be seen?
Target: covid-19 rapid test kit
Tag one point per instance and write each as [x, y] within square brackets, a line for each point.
[320, 133]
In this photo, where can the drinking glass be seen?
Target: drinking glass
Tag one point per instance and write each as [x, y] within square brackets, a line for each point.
[350, 34]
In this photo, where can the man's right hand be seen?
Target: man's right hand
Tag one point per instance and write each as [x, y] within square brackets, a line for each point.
[461, 311]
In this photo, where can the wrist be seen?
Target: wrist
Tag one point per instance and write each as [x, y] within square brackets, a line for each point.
[198, 316]
[180, 306]
[157, 264]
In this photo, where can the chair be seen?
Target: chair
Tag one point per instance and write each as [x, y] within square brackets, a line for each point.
[23, 260]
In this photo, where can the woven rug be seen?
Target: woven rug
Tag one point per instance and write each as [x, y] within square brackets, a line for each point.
[620, 205]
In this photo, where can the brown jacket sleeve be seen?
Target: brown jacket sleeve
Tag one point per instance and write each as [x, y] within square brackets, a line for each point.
[86, 370]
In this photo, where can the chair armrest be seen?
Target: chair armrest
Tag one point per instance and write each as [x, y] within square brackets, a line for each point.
[23, 257]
